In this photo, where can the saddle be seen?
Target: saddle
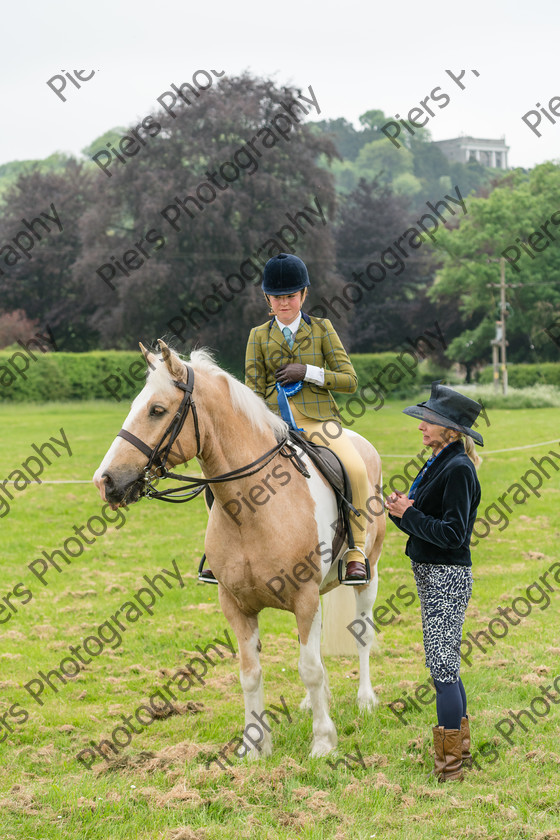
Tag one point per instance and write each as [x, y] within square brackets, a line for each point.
[333, 470]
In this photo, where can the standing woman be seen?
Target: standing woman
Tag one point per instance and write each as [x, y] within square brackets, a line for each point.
[438, 515]
[305, 355]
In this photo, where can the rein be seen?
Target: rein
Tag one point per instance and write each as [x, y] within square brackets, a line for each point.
[158, 459]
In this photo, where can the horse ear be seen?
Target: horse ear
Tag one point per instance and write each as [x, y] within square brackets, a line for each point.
[150, 358]
[173, 364]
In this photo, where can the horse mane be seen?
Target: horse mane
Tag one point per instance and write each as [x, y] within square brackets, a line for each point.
[243, 399]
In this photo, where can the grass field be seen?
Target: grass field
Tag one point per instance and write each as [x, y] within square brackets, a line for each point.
[158, 786]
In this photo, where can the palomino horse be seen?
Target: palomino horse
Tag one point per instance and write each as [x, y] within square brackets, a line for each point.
[269, 535]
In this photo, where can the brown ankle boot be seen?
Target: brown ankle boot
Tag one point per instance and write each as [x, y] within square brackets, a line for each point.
[466, 744]
[448, 749]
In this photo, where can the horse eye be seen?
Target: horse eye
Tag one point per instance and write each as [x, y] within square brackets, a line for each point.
[157, 411]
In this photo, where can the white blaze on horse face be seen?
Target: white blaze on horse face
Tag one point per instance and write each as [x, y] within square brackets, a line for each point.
[123, 453]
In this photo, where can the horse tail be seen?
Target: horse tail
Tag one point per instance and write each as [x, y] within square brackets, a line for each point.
[339, 609]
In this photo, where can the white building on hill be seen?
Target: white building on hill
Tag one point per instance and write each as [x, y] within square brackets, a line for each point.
[487, 152]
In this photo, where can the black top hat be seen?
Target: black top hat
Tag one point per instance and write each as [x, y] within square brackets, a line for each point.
[284, 274]
[450, 409]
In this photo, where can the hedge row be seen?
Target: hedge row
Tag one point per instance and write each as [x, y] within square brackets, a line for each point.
[524, 376]
[70, 376]
[120, 375]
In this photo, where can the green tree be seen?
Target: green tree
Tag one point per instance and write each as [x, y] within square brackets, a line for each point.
[346, 138]
[342, 133]
[516, 220]
[381, 160]
[43, 284]
[11, 171]
[407, 184]
[113, 135]
[471, 347]
[371, 218]
[373, 120]
[155, 269]
[206, 245]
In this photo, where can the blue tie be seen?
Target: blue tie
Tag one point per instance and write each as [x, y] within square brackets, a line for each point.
[284, 405]
[288, 336]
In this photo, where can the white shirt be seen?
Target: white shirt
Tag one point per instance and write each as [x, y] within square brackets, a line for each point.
[313, 373]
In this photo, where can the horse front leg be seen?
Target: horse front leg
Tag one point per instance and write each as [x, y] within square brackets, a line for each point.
[313, 675]
[364, 633]
[256, 733]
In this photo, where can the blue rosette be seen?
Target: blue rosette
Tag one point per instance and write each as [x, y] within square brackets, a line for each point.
[285, 391]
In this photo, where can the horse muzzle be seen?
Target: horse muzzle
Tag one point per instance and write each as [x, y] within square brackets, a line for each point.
[121, 488]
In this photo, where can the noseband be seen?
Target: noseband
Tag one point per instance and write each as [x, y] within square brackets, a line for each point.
[158, 455]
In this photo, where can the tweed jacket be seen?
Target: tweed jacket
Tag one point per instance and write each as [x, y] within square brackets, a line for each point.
[315, 343]
[439, 524]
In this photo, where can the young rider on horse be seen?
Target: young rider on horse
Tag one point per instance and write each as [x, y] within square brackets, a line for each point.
[305, 355]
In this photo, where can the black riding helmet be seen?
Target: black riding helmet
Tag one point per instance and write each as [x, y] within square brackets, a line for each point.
[284, 275]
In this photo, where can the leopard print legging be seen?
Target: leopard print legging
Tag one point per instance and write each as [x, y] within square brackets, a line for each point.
[444, 593]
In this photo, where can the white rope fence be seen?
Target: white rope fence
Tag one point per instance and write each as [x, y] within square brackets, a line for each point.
[385, 455]
[484, 451]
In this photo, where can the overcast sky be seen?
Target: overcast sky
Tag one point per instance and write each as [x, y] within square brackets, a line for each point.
[355, 55]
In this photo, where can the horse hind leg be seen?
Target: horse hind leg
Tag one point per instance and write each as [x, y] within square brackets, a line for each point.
[313, 675]
[256, 734]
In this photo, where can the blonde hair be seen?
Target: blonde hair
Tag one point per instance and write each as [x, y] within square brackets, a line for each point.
[470, 449]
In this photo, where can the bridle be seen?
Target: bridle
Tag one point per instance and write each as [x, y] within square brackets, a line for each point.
[158, 455]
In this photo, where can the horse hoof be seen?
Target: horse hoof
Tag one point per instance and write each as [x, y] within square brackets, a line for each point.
[255, 755]
[367, 702]
[323, 746]
[320, 750]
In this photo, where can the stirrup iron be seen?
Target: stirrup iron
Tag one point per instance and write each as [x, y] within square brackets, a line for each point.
[359, 582]
[201, 577]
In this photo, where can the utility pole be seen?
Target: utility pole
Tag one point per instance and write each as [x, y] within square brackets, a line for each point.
[504, 313]
[495, 363]
[501, 331]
